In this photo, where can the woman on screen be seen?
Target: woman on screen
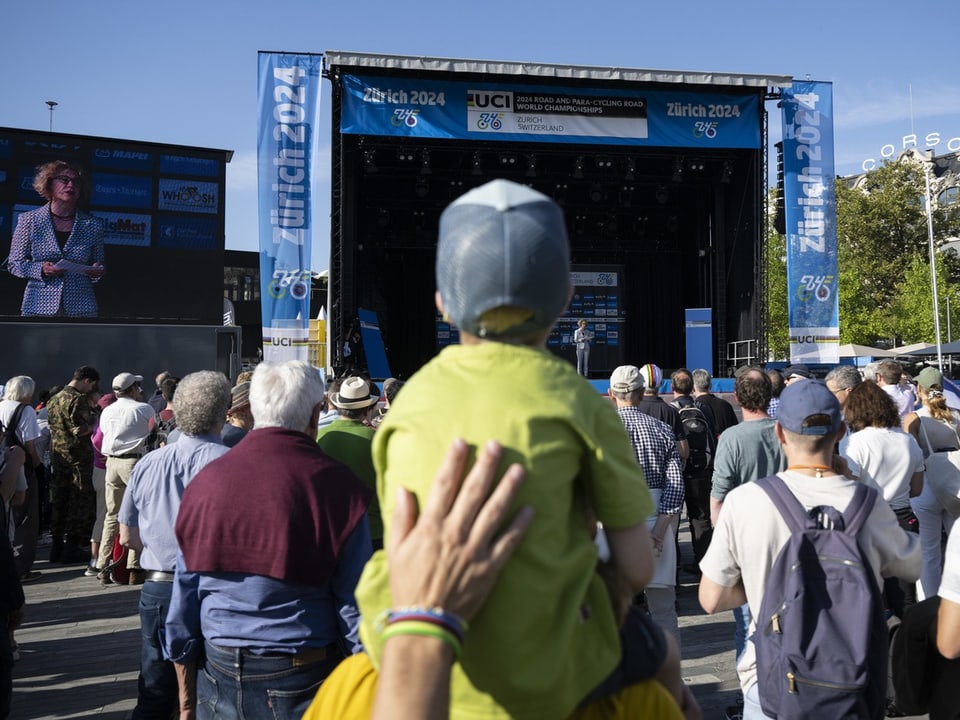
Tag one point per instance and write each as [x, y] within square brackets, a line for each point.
[57, 247]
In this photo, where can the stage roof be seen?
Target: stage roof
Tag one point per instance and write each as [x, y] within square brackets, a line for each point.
[376, 61]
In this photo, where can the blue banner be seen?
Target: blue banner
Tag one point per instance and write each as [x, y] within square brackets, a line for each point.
[404, 107]
[810, 203]
[289, 106]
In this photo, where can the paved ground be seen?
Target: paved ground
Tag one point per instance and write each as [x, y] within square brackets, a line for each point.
[80, 648]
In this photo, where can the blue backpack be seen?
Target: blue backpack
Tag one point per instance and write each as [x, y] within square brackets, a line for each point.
[821, 636]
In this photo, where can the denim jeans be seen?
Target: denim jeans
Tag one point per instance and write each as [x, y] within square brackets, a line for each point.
[741, 634]
[233, 684]
[157, 685]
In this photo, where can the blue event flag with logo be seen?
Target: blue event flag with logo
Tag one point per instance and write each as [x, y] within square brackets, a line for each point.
[289, 105]
[810, 205]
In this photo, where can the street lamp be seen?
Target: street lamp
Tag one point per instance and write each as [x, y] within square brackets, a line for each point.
[933, 259]
[51, 104]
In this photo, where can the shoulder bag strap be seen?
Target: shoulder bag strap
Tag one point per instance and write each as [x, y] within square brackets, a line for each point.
[787, 505]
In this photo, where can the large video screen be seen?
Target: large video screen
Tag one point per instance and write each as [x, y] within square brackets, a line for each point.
[123, 231]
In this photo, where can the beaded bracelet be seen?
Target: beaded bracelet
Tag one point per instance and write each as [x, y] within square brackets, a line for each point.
[434, 616]
[424, 629]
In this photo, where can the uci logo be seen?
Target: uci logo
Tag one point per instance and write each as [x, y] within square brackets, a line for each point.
[484, 99]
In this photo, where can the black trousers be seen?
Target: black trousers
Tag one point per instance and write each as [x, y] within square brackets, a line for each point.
[697, 499]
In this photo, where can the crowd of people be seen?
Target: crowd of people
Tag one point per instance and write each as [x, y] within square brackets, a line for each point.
[306, 549]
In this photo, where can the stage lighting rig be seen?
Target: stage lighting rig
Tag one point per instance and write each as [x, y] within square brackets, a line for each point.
[578, 167]
[727, 172]
[631, 170]
[425, 162]
[405, 155]
[678, 170]
[531, 166]
[477, 164]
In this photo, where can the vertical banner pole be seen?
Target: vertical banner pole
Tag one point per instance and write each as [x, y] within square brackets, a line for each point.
[288, 107]
[810, 203]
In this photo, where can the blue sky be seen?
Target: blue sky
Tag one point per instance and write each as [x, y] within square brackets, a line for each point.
[186, 72]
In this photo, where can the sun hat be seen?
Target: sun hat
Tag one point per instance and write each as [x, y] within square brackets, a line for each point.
[809, 408]
[626, 379]
[239, 396]
[124, 380]
[503, 245]
[354, 393]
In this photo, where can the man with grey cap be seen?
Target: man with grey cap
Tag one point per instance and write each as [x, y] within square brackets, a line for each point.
[349, 439]
[126, 425]
[655, 448]
[548, 634]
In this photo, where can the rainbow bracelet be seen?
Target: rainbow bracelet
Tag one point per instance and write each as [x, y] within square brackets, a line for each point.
[433, 616]
[424, 629]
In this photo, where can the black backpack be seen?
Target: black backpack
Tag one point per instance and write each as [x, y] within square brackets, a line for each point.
[161, 431]
[700, 438]
[8, 434]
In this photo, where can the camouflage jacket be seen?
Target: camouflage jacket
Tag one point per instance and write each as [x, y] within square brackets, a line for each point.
[68, 415]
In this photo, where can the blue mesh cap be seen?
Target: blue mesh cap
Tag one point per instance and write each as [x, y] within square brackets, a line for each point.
[503, 244]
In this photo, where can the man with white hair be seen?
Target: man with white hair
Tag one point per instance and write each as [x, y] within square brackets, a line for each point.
[273, 536]
[147, 517]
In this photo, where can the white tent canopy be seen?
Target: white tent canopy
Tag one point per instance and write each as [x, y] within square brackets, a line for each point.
[851, 351]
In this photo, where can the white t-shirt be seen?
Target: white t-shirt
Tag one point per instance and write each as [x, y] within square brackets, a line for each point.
[750, 534]
[950, 581]
[125, 425]
[28, 428]
[885, 459]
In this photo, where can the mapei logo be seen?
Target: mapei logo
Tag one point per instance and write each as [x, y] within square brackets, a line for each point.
[405, 117]
[815, 287]
[705, 129]
[489, 100]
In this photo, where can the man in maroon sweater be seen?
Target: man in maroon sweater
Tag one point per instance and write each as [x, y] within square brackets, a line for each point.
[273, 536]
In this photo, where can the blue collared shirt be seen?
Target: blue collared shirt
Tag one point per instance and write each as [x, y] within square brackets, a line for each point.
[264, 615]
[152, 498]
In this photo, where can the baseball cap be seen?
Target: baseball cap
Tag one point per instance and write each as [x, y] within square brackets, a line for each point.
[929, 377]
[652, 376]
[124, 380]
[626, 379]
[809, 408]
[800, 371]
[503, 245]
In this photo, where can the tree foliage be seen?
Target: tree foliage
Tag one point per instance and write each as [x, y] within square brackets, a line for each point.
[884, 282]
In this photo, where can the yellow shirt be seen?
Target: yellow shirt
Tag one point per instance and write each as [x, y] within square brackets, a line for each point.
[547, 634]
